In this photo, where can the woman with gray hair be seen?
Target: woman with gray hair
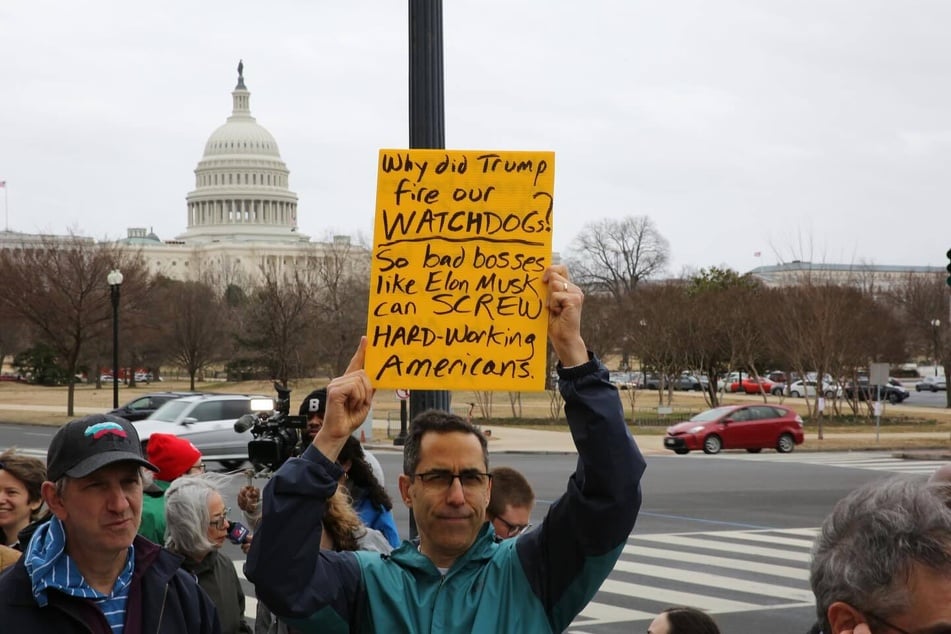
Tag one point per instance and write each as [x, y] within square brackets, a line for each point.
[196, 528]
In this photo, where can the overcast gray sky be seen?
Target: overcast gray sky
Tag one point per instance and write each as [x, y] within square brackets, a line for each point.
[812, 129]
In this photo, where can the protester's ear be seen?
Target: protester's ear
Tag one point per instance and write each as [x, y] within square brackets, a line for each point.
[404, 482]
[357, 361]
[53, 501]
[844, 619]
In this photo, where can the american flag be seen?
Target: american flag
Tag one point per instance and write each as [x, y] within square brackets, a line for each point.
[756, 254]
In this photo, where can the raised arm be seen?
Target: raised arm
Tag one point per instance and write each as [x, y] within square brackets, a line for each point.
[292, 576]
[574, 550]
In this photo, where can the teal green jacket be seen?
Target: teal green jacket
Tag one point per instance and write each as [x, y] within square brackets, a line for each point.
[538, 582]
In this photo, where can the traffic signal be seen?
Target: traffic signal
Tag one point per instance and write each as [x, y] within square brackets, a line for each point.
[949, 267]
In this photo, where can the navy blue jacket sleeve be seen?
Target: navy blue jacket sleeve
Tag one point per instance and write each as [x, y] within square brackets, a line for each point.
[567, 558]
[291, 575]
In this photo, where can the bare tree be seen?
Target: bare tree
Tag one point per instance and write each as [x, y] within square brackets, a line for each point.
[276, 322]
[341, 293]
[59, 287]
[612, 256]
[13, 335]
[193, 327]
[922, 305]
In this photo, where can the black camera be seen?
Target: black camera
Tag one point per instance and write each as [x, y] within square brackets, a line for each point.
[276, 433]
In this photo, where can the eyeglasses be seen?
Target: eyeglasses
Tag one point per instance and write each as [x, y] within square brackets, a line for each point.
[470, 480]
[199, 468]
[220, 521]
[514, 529]
[874, 617]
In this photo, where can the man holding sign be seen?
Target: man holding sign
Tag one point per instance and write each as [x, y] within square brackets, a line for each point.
[458, 577]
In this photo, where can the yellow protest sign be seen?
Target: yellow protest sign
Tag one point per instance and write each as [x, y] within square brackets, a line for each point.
[461, 239]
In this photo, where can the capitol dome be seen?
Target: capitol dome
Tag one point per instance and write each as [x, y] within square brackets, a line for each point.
[241, 136]
[241, 184]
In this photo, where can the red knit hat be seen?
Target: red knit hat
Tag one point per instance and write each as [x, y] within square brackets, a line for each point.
[172, 455]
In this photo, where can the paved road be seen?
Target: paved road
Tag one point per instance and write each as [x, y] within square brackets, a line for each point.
[729, 533]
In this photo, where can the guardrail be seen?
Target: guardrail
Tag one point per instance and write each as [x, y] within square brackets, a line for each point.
[662, 416]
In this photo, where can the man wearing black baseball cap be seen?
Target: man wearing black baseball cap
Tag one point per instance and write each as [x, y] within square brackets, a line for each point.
[313, 407]
[86, 570]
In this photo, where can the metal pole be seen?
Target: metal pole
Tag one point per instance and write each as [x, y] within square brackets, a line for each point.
[114, 288]
[427, 129]
[427, 125]
[401, 439]
[934, 333]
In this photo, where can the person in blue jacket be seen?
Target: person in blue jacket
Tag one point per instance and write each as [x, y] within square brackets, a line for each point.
[458, 577]
[370, 500]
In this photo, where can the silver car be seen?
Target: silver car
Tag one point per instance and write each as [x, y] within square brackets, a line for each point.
[207, 420]
[932, 384]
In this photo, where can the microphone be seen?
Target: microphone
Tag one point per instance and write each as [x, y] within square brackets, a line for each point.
[244, 423]
[238, 533]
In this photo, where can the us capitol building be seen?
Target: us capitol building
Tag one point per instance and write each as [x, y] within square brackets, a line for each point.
[242, 216]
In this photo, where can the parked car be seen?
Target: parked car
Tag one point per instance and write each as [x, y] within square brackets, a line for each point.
[691, 382]
[892, 391]
[622, 380]
[207, 420]
[748, 384]
[932, 384]
[654, 381]
[143, 406]
[750, 427]
[809, 387]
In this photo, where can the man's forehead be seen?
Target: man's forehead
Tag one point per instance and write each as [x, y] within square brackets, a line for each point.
[451, 449]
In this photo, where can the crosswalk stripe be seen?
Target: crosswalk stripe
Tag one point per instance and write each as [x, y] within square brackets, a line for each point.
[773, 570]
[868, 461]
[692, 542]
[250, 603]
[673, 597]
[607, 613]
[734, 584]
[809, 532]
[751, 536]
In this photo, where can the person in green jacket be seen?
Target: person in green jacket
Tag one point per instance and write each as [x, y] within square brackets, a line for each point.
[458, 577]
[175, 457]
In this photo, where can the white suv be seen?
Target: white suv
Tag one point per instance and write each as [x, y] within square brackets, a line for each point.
[207, 420]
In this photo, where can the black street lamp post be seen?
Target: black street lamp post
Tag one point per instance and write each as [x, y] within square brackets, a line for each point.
[934, 334]
[115, 281]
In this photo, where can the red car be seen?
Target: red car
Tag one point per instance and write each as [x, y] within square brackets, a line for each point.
[750, 385]
[750, 427]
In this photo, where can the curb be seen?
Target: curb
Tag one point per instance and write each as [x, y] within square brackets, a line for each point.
[924, 454]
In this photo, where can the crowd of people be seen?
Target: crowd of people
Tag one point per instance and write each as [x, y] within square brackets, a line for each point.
[103, 538]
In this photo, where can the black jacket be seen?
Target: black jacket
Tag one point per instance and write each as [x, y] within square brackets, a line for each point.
[163, 599]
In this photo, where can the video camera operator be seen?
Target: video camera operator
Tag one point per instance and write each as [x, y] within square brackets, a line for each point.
[313, 407]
